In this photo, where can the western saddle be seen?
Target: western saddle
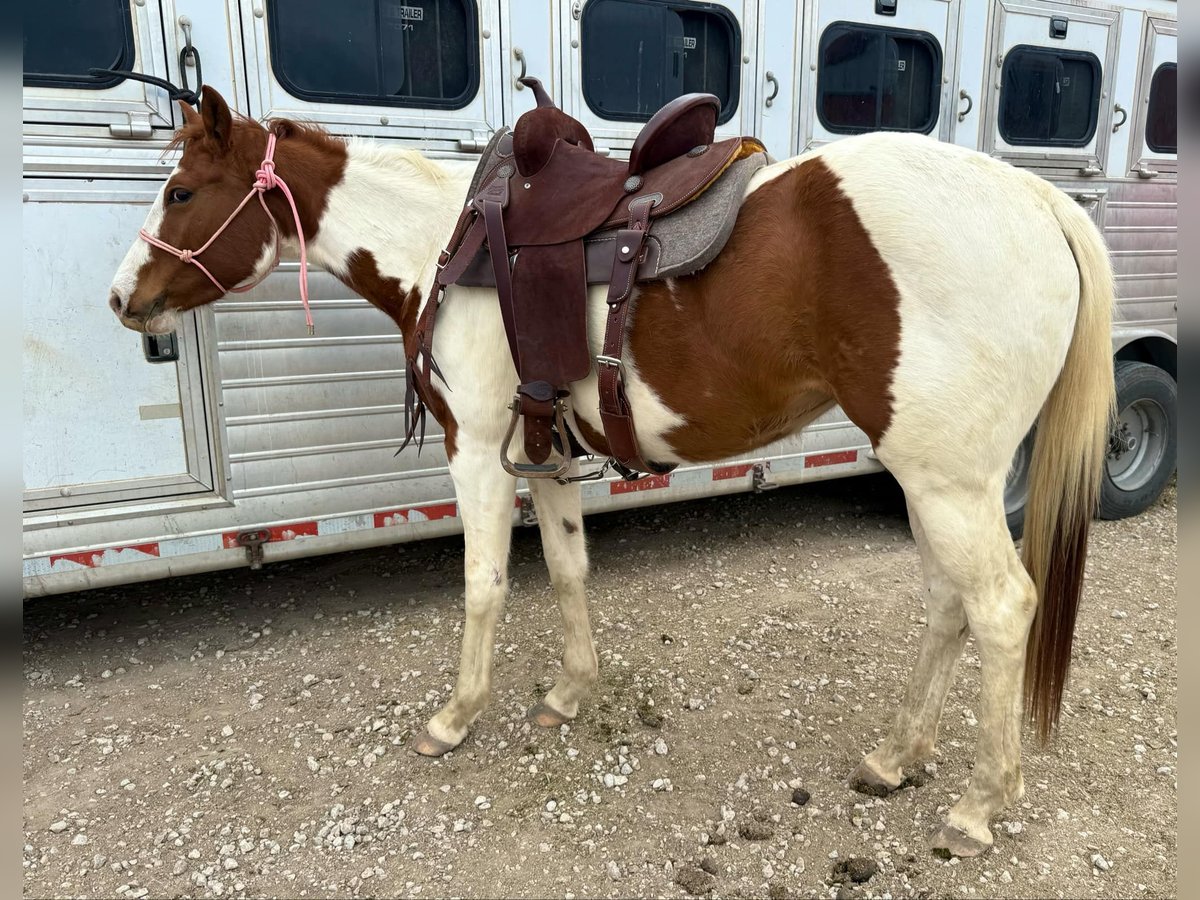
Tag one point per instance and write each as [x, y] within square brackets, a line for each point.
[545, 217]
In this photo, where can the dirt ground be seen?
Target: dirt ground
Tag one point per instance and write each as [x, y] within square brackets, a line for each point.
[243, 734]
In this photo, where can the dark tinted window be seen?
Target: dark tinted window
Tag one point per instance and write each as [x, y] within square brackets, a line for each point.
[1049, 97]
[873, 79]
[61, 41]
[1161, 121]
[411, 53]
[639, 54]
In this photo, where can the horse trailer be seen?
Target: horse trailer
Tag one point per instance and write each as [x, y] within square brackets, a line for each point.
[240, 439]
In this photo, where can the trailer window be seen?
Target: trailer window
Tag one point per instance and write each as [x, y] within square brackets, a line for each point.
[1161, 121]
[873, 78]
[1049, 97]
[639, 54]
[61, 45]
[422, 53]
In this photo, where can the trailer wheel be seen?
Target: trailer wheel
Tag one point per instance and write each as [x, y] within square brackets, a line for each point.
[1016, 486]
[1142, 444]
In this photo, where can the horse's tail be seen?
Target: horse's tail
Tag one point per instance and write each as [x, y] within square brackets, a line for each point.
[1066, 467]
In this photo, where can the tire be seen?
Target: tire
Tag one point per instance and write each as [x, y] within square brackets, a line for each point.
[1016, 486]
[1143, 443]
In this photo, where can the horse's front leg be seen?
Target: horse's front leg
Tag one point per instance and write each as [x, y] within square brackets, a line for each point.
[560, 518]
[485, 502]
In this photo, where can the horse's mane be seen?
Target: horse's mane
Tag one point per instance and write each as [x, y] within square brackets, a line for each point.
[281, 128]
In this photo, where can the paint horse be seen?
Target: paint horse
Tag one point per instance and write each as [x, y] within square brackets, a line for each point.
[944, 299]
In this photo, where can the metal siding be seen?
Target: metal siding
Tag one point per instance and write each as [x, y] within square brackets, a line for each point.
[1141, 229]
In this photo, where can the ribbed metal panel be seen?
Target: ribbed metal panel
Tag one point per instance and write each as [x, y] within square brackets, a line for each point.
[1141, 228]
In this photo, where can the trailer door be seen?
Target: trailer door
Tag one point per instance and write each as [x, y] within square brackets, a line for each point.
[625, 59]
[1050, 87]
[879, 67]
[103, 426]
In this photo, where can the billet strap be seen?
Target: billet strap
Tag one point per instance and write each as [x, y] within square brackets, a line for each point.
[616, 416]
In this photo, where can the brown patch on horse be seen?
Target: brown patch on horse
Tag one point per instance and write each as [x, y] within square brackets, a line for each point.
[388, 294]
[569, 526]
[797, 312]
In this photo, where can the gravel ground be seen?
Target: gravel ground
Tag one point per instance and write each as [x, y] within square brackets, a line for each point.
[242, 734]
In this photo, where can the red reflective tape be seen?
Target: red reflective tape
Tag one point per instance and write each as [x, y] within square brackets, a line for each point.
[654, 482]
[738, 470]
[93, 558]
[402, 516]
[838, 457]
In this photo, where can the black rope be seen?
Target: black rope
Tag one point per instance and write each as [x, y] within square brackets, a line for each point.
[187, 95]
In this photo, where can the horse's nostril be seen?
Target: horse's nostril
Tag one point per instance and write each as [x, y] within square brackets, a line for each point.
[114, 302]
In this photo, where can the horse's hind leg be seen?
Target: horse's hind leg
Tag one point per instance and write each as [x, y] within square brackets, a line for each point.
[560, 518]
[914, 733]
[965, 530]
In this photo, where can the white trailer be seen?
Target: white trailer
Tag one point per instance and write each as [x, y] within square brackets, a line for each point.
[241, 440]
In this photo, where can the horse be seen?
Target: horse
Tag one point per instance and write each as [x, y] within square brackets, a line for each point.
[944, 299]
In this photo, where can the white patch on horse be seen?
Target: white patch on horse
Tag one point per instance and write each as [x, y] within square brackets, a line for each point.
[125, 281]
[361, 212]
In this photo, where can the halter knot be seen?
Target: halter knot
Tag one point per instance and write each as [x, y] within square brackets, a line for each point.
[185, 255]
[264, 178]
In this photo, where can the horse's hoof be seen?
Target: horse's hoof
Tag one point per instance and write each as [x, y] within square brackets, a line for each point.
[866, 780]
[545, 716]
[950, 841]
[427, 745]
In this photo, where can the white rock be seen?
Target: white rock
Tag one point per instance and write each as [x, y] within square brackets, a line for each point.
[227, 731]
[79, 840]
[660, 746]
[58, 826]
[614, 871]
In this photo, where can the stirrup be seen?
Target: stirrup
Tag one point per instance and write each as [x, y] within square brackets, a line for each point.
[534, 470]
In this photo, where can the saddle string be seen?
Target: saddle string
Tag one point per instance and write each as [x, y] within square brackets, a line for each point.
[265, 179]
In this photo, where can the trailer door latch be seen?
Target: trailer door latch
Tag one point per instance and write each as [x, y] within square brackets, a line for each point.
[253, 542]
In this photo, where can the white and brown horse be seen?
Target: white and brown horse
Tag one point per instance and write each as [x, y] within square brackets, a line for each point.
[944, 299]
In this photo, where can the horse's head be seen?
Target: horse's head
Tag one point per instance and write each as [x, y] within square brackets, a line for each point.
[214, 174]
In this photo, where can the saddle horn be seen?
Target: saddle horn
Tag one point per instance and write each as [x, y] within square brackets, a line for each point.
[539, 92]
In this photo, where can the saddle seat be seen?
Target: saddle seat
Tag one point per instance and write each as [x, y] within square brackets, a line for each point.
[546, 216]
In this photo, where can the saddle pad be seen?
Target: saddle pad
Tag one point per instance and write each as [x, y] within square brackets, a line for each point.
[679, 244]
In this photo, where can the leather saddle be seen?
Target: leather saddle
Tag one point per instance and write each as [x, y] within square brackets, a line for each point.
[545, 217]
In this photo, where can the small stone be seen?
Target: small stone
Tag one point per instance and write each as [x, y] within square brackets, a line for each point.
[229, 863]
[660, 747]
[79, 840]
[227, 731]
[709, 865]
[614, 871]
[800, 796]
[58, 826]
[856, 869]
[756, 831]
[1101, 863]
[695, 881]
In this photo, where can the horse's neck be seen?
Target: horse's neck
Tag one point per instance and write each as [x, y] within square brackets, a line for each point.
[386, 221]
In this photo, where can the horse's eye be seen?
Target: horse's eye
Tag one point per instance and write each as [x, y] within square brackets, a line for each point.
[179, 195]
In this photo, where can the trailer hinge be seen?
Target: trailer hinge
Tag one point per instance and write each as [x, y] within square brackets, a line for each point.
[137, 126]
[760, 480]
[528, 512]
[253, 542]
[472, 144]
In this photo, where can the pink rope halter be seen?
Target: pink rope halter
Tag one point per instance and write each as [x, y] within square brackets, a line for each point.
[264, 180]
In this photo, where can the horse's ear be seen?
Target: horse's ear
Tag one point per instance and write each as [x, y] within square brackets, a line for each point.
[190, 116]
[218, 123]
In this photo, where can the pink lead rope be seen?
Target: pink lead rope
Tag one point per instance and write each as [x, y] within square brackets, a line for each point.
[264, 180]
